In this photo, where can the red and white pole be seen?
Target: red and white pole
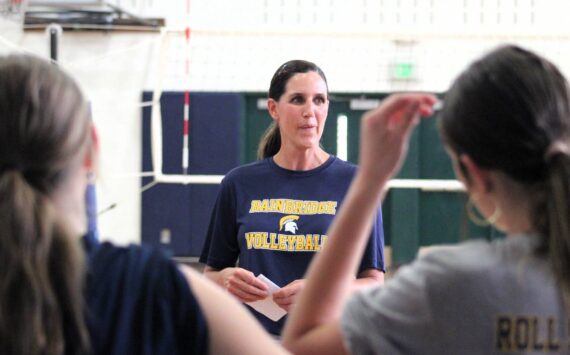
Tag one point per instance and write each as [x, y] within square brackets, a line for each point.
[185, 149]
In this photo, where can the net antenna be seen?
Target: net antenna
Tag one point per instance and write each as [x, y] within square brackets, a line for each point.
[161, 54]
[185, 133]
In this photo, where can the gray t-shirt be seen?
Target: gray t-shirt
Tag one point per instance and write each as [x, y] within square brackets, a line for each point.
[474, 298]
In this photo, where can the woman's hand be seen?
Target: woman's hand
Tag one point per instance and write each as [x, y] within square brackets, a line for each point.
[386, 130]
[287, 295]
[243, 284]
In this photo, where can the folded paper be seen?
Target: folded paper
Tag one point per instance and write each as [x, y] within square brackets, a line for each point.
[267, 306]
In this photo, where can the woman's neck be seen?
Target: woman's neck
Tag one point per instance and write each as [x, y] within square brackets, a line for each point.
[300, 160]
[514, 200]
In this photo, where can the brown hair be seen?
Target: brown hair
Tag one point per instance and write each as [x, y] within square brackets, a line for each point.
[44, 127]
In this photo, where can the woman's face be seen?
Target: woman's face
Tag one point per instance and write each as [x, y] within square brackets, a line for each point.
[465, 172]
[70, 196]
[69, 199]
[302, 110]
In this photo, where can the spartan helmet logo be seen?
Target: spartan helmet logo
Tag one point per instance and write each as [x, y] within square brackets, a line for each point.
[288, 224]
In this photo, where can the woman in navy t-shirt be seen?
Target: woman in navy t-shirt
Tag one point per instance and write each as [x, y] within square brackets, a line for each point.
[273, 215]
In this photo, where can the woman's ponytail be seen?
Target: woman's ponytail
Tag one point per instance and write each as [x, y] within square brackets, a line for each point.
[556, 221]
[40, 275]
[270, 142]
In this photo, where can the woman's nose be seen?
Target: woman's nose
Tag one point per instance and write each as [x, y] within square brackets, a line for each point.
[308, 110]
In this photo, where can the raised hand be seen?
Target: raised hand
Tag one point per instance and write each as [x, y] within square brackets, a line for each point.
[385, 133]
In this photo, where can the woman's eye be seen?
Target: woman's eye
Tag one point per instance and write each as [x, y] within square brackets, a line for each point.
[297, 99]
[320, 100]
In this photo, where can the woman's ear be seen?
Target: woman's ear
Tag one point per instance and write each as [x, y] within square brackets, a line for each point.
[476, 178]
[92, 153]
[272, 108]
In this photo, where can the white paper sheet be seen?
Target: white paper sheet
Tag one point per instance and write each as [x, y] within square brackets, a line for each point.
[267, 306]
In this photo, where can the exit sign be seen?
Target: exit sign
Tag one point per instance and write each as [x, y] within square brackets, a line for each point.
[403, 71]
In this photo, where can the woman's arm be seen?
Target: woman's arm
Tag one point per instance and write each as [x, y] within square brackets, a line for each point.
[287, 295]
[314, 321]
[232, 328]
[239, 282]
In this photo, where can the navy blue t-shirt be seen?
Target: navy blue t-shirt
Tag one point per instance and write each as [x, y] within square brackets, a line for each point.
[274, 220]
[138, 302]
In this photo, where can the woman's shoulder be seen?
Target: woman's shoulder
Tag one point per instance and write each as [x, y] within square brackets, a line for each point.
[344, 165]
[130, 267]
[248, 170]
[465, 257]
[143, 283]
[477, 264]
[456, 271]
[340, 169]
[478, 254]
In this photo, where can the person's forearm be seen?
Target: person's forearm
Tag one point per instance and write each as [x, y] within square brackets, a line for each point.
[334, 267]
[228, 321]
[214, 275]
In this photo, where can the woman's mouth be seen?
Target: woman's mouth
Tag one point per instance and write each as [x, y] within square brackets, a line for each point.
[307, 126]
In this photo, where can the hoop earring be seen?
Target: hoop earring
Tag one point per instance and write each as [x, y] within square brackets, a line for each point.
[476, 217]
